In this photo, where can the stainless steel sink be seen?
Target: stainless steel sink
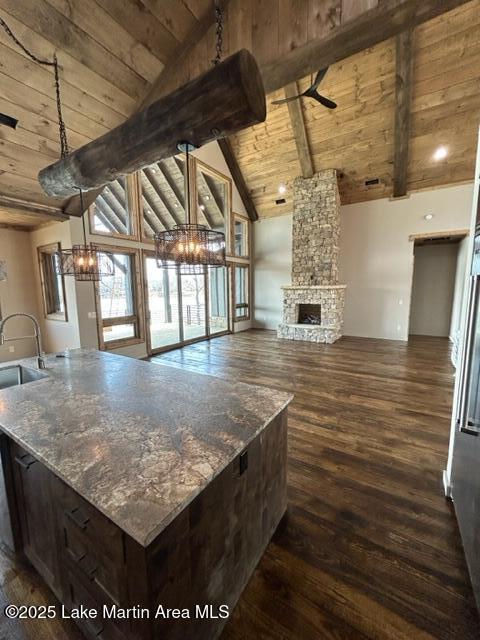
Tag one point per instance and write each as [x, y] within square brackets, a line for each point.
[16, 374]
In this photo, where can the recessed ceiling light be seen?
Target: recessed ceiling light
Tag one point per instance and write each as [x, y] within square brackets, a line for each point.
[154, 171]
[429, 216]
[202, 207]
[175, 204]
[440, 153]
[282, 188]
[207, 197]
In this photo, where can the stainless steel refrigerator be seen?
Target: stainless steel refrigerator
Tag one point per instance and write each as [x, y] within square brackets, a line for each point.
[465, 474]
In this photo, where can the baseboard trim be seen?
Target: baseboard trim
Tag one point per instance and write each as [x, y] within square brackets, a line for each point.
[447, 487]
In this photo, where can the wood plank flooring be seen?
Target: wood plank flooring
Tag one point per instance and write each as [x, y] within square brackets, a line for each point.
[369, 547]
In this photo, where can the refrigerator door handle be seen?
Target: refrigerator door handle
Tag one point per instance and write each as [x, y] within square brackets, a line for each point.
[466, 425]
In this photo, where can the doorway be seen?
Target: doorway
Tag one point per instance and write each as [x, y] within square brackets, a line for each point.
[437, 286]
[184, 308]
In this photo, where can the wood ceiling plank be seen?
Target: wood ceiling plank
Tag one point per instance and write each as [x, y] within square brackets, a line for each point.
[353, 8]
[238, 178]
[18, 93]
[143, 26]
[174, 16]
[150, 180]
[42, 79]
[68, 37]
[323, 16]
[198, 8]
[403, 95]
[24, 188]
[152, 205]
[44, 132]
[238, 18]
[265, 29]
[71, 70]
[30, 140]
[94, 20]
[292, 24]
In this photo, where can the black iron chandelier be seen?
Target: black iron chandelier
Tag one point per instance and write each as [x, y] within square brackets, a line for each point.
[83, 261]
[190, 247]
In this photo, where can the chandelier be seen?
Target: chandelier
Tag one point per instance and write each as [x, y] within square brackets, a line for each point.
[84, 261]
[190, 247]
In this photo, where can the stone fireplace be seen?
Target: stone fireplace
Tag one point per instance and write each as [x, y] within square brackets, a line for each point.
[313, 304]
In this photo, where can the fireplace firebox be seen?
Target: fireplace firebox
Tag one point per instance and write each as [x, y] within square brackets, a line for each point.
[309, 314]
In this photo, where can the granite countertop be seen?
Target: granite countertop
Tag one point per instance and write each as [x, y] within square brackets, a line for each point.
[138, 440]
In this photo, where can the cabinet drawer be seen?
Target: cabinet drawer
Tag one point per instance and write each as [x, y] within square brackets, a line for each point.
[79, 595]
[91, 545]
[91, 526]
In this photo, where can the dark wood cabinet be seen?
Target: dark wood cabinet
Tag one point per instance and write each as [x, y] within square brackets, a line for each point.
[204, 557]
[33, 491]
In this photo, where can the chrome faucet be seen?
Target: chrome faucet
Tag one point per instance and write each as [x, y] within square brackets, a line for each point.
[36, 336]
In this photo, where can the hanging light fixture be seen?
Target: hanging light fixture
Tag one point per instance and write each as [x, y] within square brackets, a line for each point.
[84, 261]
[190, 247]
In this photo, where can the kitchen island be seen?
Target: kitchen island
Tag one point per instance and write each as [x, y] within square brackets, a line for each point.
[135, 485]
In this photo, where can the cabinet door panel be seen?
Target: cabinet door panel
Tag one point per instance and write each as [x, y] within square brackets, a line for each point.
[33, 483]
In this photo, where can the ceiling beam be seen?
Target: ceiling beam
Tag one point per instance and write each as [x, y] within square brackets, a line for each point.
[150, 177]
[238, 178]
[403, 95]
[151, 206]
[388, 19]
[299, 131]
[16, 204]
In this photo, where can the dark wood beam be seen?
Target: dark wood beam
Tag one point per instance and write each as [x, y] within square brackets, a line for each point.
[150, 177]
[225, 99]
[299, 131]
[16, 204]
[388, 19]
[403, 96]
[151, 205]
[238, 178]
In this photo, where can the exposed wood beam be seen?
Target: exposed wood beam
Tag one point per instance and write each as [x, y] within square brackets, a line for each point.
[172, 185]
[16, 204]
[120, 213]
[111, 213]
[210, 203]
[403, 95]
[238, 178]
[104, 219]
[156, 90]
[388, 19]
[299, 131]
[226, 99]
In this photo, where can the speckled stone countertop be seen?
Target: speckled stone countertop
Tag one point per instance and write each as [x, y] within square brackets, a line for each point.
[138, 440]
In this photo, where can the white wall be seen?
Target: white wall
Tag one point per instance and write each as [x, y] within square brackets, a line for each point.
[17, 293]
[433, 286]
[376, 258]
[57, 335]
[272, 268]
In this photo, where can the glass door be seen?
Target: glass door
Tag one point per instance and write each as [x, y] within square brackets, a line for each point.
[218, 300]
[193, 294]
[162, 306]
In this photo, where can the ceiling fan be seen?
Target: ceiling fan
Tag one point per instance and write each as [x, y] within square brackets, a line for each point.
[312, 92]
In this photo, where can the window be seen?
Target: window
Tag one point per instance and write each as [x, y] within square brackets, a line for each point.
[162, 187]
[112, 212]
[53, 285]
[240, 237]
[117, 302]
[241, 306]
[213, 199]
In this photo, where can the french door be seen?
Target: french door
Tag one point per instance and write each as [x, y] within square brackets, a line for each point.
[182, 308]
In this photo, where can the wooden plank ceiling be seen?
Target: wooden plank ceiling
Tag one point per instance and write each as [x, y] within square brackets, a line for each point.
[358, 137]
[112, 52]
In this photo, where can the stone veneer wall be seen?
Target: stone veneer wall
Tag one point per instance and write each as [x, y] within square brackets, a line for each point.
[316, 229]
[316, 232]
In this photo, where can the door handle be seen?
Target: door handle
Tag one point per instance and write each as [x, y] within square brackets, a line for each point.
[25, 461]
[75, 515]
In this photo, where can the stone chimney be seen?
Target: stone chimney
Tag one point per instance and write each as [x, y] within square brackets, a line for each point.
[314, 302]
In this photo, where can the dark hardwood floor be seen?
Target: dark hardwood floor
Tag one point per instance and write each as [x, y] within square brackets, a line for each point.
[369, 547]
